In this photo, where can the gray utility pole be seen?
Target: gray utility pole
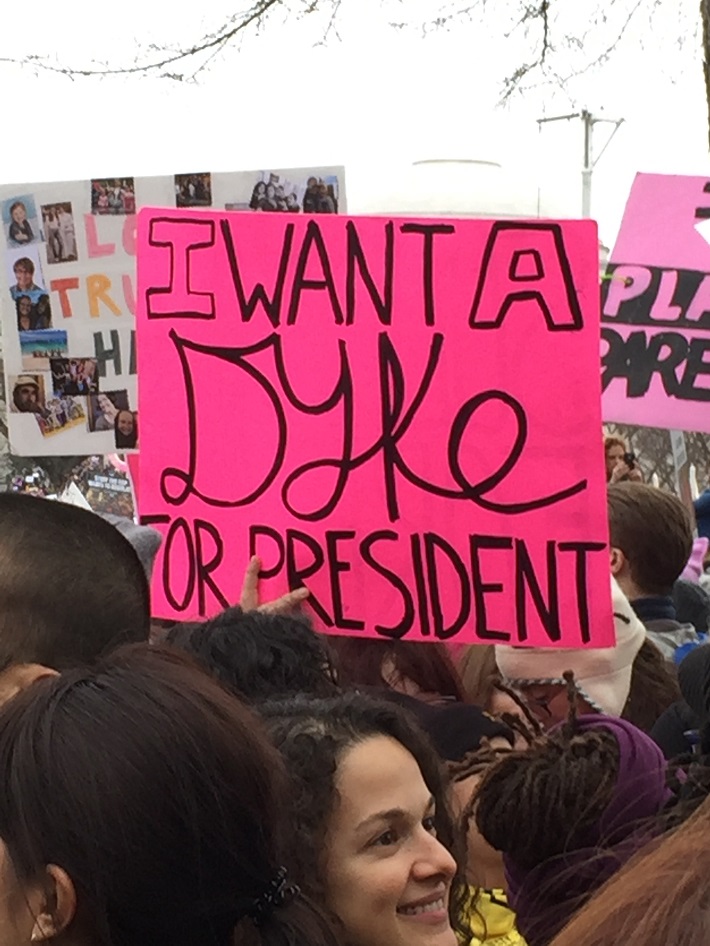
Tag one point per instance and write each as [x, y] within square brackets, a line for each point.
[590, 162]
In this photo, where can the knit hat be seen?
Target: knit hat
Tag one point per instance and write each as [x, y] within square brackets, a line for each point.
[145, 540]
[547, 896]
[458, 728]
[602, 676]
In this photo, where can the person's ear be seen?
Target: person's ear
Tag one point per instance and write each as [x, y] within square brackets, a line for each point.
[18, 677]
[617, 561]
[58, 908]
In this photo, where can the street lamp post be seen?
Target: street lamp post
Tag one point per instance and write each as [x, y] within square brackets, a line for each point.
[589, 160]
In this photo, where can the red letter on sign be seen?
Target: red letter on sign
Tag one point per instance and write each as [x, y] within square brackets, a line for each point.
[177, 300]
[526, 262]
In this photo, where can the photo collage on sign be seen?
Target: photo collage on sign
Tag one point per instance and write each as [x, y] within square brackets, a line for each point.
[60, 388]
[103, 484]
[275, 192]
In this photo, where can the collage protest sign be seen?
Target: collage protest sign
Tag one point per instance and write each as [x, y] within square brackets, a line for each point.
[67, 293]
[402, 414]
[656, 307]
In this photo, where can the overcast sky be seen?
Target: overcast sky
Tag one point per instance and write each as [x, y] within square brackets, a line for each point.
[374, 99]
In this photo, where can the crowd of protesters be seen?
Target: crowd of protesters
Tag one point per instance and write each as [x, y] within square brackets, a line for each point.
[247, 780]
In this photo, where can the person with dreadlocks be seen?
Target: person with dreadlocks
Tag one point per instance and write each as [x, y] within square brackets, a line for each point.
[492, 919]
[568, 812]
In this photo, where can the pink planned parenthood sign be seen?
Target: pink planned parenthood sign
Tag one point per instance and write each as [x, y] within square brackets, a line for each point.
[402, 415]
[656, 307]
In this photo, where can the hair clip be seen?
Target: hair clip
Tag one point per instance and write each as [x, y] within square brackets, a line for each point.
[278, 893]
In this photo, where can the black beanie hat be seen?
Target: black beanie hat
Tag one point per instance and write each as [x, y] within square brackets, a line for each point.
[455, 729]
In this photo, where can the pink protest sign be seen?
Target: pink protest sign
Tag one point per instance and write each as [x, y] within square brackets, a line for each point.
[656, 307]
[402, 415]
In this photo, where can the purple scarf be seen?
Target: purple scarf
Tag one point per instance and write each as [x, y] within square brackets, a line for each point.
[546, 897]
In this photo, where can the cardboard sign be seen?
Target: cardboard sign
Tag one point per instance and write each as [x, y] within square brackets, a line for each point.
[402, 415]
[67, 293]
[656, 307]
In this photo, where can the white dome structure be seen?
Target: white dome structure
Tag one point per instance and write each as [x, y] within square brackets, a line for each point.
[464, 187]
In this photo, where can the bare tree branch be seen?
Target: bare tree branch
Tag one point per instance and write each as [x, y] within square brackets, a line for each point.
[540, 22]
[211, 43]
[607, 52]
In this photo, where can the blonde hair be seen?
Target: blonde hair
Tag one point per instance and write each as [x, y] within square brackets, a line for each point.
[479, 674]
[610, 442]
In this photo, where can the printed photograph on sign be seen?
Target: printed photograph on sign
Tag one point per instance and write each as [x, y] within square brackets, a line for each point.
[20, 221]
[35, 482]
[79, 274]
[61, 413]
[24, 273]
[33, 315]
[27, 394]
[74, 376]
[126, 430]
[40, 346]
[274, 192]
[193, 190]
[104, 409]
[113, 196]
[105, 488]
[59, 233]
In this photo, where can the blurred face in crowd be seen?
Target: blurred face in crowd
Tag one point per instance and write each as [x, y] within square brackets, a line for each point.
[614, 455]
[397, 681]
[388, 878]
[501, 704]
[484, 867]
[549, 703]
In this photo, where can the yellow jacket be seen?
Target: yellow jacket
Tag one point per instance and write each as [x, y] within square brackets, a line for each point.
[492, 921]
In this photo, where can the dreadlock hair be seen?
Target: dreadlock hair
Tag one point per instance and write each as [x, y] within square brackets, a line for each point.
[526, 724]
[478, 760]
[533, 804]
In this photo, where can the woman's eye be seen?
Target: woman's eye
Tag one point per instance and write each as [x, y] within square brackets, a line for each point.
[430, 824]
[386, 839]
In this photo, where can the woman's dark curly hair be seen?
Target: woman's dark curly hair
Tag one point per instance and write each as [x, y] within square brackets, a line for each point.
[313, 735]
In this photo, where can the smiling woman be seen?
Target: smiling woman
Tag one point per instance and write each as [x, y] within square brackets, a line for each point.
[375, 840]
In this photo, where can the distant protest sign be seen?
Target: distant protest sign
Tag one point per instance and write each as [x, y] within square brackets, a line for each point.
[656, 307]
[403, 415]
[68, 293]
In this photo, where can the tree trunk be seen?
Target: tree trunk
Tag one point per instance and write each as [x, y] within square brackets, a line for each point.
[705, 16]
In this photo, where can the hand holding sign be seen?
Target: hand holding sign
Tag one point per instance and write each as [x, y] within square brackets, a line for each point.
[249, 598]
